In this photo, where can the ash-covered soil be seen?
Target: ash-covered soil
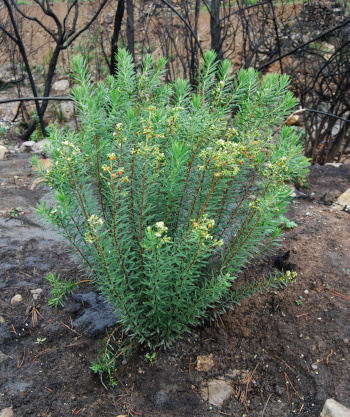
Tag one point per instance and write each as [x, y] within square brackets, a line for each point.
[282, 353]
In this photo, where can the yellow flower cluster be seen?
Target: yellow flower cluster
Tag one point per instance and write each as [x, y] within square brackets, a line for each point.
[201, 228]
[159, 234]
[114, 173]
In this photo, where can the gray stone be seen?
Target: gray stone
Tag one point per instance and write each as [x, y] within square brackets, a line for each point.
[67, 109]
[61, 85]
[41, 145]
[27, 146]
[2, 320]
[3, 152]
[7, 412]
[216, 392]
[334, 409]
[10, 73]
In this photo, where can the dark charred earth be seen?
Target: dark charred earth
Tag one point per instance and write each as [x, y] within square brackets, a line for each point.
[281, 354]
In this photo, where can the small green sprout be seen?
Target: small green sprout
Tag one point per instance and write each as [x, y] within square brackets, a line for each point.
[40, 340]
[12, 213]
[151, 357]
[287, 224]
[300, 301]
[3, 130]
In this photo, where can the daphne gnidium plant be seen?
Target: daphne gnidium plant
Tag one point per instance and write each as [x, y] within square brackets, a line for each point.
[167, 191]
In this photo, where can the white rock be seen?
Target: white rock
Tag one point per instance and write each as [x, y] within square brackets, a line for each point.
[16, 299]
[61, 85]
[334, 164]
[3, 151]
[216, 392]
[2, 320]
[41, 145]
[36, 293]
[333, 409]
[7, 412]
[27, 146]
[344, 199]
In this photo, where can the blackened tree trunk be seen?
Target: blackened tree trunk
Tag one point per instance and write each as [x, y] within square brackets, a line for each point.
[215, 28]
[130, 29]
[117, 27]
[63, 36]
[18, 41]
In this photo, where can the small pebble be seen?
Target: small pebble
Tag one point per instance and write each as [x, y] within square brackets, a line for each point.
[16, 299]
[346, 341]
[2, 320]
[36, 293]
[314, 367]
[6, 412]
[306, 292]
[309, 214]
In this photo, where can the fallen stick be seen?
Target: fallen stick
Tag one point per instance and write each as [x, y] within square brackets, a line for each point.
[263, 411]
[338, 294]
[326, 358]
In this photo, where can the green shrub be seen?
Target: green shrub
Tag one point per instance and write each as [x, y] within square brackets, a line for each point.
[37, 135]
[164, 197]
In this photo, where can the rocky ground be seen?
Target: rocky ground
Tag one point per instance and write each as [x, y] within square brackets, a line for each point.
[277, 355]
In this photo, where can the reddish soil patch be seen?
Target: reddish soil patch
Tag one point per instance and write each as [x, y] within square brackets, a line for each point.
[297, 353]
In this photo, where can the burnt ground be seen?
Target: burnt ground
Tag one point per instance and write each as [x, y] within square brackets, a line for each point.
[281, 358]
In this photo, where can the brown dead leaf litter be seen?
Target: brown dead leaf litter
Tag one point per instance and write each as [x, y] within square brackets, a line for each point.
[279, 354]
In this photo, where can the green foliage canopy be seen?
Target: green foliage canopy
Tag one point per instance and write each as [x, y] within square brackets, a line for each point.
[165, 193]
